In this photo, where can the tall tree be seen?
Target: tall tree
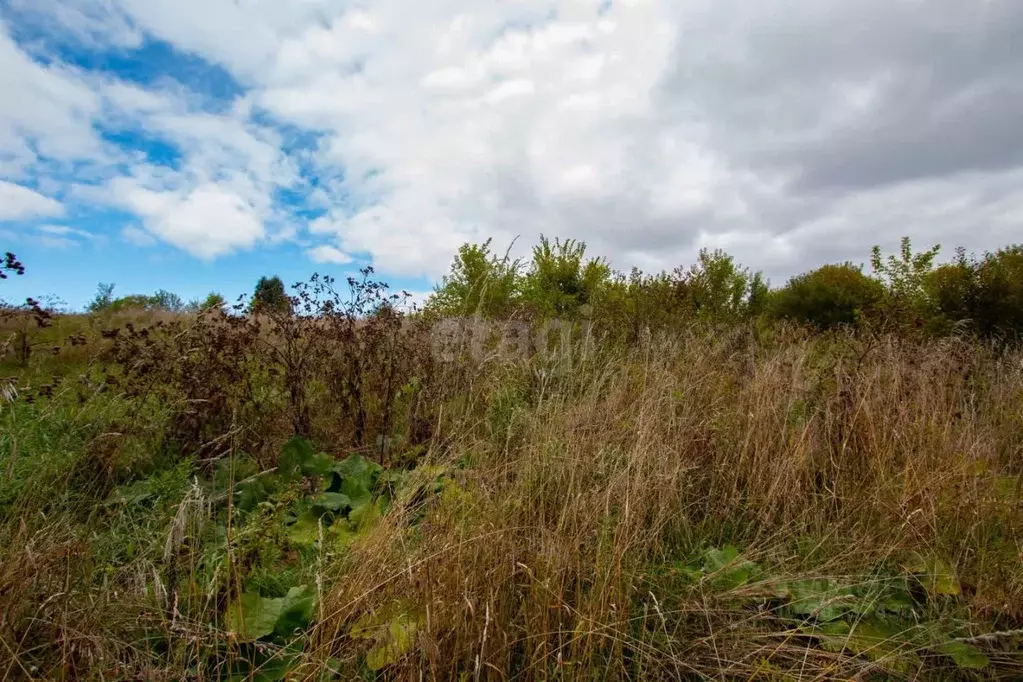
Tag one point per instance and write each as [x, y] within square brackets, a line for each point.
[270, 296]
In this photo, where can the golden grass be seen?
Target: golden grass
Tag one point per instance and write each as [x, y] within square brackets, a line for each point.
[553, 553]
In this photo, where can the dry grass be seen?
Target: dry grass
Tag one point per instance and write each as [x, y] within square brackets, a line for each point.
[543, 564]
[554, 551]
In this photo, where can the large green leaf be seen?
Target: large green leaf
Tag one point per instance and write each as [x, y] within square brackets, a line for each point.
[821, 598]
[934, 574]
[358, 472]
[965, 655]
[895, 596]
[319, 464]
[253, 617]
[306, 530]
[296, 454]
[136, 493]
[251, 494]
[364, 515]
[236, 468]
[727, 569]
[392, 630]
[297, 611]
[357, 491]
[879, 640]
[332, 501]
[341, 534]
[357, 478]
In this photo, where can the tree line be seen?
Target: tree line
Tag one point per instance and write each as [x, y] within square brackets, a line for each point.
[905, 291]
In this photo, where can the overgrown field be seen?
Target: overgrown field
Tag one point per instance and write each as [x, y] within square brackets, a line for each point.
[218, 497]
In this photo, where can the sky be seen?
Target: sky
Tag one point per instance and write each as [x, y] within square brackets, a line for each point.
[195, 145]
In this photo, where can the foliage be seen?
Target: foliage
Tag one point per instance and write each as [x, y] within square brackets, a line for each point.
[391, 632]
[828, 297]
[167, 300]
[907, 302]
[984, 295]
[721, 290]
[10, 263]
[103, 299]
[270, 296]
[876, 616]
[997, 305]
[315, 493]
[253, 617]
[561, 280]
[952, 287]
[479, 283]
[213, 301]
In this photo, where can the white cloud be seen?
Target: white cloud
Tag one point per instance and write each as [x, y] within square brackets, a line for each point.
[20, 203]
[647, 127]
[47, 112]
[328, 254]
[65, 231]
[96, 23]
[56, 242]
[207, 221]
[137, 237]
[219, 196]
[491, 120]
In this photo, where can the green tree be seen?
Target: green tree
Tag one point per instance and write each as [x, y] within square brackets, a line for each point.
[996, 303]
[103, 299]
[270, 296]
[907, 301]
[480, 283]
[166, 300]
[952, 290]
[131, 302]
[828, 297]
[214, 301]
[561, 279]
[721, 290]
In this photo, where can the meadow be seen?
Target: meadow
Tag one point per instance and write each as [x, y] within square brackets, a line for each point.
[696, 478]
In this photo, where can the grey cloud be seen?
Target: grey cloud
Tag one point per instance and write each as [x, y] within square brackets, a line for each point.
[776, 82]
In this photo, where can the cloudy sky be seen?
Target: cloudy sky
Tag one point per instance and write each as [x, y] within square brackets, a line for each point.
[196, 144]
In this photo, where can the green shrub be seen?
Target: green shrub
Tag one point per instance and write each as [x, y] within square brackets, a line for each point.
[952, 289]
[270, 296]
[828, 297]
[720, 290]
[997, 302]
[103, 299]
[479, 283]
[906, 303]
[561, 280]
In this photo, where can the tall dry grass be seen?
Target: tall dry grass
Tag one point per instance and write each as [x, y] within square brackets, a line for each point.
[821, 457]
[554, 551]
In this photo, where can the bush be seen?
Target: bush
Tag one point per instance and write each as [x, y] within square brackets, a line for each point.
[480, 283]
[906, 303]
[561, 280]
[104, 297]
[985, 295]
[719, 289]
[270, 296]
[952, 290]
[997, 300]
[828, 297]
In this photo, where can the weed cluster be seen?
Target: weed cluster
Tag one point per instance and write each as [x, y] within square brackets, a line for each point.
[310, 491]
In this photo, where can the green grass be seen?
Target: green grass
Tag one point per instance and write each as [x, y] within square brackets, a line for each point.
[752, 505]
